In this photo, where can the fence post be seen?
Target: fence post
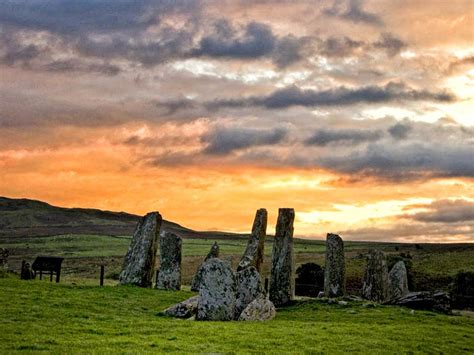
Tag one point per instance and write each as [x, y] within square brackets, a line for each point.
[102, 269]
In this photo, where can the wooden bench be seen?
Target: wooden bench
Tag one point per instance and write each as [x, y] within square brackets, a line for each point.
[48, 263]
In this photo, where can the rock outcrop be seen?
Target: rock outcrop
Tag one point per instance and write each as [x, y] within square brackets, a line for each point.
[335, 269]
[213, 253]
[282, 284]
[185, 309]
[139, 263]
[398, 281]
[249, 287]
[168, 276]
[217, 291]
[253, 255]
[375, 286]
[260, 309]
[425, 300]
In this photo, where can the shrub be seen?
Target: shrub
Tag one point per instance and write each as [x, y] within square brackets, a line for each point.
[462, 290]
[309, 280]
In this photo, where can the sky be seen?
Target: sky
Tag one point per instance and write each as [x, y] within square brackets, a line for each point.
[358, 114]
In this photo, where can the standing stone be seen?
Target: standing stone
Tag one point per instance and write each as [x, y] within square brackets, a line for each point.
[282, 285]
[139, 263]
[26, 272]
[4, 253]
[375, 286]
[335, 270]
[249, 287]
[398, 281]
[168, 276]
[213, 253]
[253, 255]
[216, 292]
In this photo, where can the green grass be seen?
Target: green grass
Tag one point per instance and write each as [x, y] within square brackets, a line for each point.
[39, 316]
[434, 264]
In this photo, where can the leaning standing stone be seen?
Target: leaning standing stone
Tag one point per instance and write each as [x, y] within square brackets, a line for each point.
[249, 287]
[216, 292]
[398, 281]
[375, 286]
[168, 276]
[282, 285]
[139, 263]
[213, 253]
[253, 255]
[335, 270]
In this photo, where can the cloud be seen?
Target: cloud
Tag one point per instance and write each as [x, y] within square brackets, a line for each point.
[405, 161]
[325, 137]
[341, 96]
[446, 211]
[400, 130]
[390, 43]
[351, 10]
[223, 141]
[72, 65]
[255, 40]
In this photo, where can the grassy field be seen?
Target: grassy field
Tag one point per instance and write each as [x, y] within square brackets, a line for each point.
[63, 318]
[433, 265]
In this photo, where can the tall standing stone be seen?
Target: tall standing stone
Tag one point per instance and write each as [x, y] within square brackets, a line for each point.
[217, 291]
[253, 255]
[335, 270]
[375, 286]
[168, 276]
[282, 285]
[139, 263]
[398, 281]
[213, 253]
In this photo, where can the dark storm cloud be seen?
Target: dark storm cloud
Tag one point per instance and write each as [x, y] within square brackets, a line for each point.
[400, 130]
[351, 10]
[342, 96]
[446, 211]
[325, 137]
[405, 162]
[87, 16]
[255, 40]
[225, 140]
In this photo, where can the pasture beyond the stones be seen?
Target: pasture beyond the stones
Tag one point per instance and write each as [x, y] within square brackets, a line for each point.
[64, 318]
[433, 265]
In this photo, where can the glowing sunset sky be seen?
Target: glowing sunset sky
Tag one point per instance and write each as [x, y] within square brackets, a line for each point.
[359, 114]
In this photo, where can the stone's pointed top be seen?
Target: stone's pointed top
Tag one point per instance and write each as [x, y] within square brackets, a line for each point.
[333, 235]
[253, 255]
[214, 252]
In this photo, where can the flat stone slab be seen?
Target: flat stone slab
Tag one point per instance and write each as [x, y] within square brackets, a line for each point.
[169, 274]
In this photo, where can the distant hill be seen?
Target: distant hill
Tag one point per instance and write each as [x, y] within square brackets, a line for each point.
[29, 218]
